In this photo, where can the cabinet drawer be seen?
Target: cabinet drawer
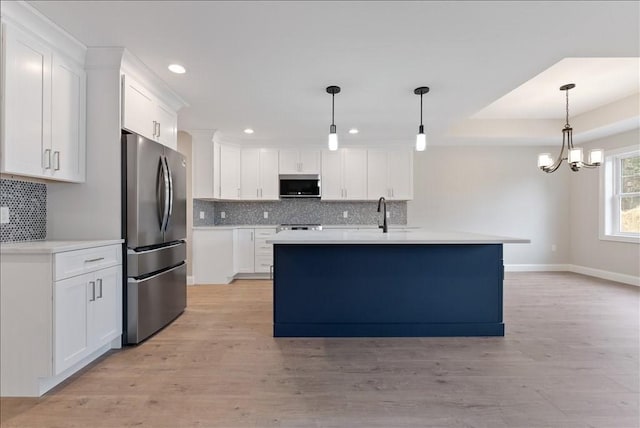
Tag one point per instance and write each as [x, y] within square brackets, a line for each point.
[263, 263]
[264, 250]
[72, 263]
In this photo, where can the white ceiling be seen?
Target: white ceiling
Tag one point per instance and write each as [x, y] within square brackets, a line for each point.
[265, 65]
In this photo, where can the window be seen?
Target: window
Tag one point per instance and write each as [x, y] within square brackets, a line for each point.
[621, 195]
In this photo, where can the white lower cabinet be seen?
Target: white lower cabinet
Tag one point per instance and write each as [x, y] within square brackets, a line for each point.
[86, 310]
[263, 252]
[213, 257]
[244, 251]
[68, 306]
[222, 254]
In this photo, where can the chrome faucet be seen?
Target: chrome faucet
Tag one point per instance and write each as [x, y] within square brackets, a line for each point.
[382, 201]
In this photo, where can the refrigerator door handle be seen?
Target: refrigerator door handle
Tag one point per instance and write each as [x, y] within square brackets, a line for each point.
[162, 195]
[169, 194]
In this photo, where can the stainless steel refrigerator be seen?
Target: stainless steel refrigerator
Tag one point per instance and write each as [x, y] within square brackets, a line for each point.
[154, 209]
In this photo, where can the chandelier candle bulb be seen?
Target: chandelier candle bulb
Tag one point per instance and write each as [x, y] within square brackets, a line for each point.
[575, 155]
[545, 160]
[595, 156]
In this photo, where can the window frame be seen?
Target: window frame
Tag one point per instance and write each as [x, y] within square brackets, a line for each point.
[611, 195]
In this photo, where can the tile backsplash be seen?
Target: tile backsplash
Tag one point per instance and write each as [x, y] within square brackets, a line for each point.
[295, 211]
[27, 203]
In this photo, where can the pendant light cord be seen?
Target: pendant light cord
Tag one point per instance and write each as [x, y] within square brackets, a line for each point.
[566, 125]
[420, 109]
[333, 97]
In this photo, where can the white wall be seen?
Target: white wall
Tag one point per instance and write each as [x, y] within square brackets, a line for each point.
[498, 191]
[90, 210]
[587, 250]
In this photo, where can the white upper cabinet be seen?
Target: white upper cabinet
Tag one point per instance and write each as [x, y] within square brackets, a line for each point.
[344, 174]
[144, 114]
[299, 161]
[390, 174]
[229, 172]
[44, 109]
[167, 127]
[68, 112]
[259, 174]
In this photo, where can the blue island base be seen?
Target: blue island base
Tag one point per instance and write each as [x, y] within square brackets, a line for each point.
[395, 290]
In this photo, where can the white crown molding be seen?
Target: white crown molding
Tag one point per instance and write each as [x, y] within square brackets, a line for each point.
[132, 65]
[25, 16]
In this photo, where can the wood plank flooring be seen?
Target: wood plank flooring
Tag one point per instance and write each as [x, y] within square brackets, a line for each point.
[570, 358]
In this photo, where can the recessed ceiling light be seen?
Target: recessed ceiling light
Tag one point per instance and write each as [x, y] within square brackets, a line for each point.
[177, 68]
[248, 131]
[353, 131]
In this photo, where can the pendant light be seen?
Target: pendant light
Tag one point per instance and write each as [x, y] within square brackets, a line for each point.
[333, 136]
[574, 154]
[421, 138]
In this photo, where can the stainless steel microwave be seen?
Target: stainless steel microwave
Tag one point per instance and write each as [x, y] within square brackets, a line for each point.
[299, 186]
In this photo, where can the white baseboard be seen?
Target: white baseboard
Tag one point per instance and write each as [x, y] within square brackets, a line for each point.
[190, 280]
[598, 273]
[604, 274]
[536, 268]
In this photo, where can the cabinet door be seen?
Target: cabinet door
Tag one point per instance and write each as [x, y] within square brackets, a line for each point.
[213, 256]
[68, 121]
[229, 172]
[377, 185]
[244, 251]
[355, 174]
[249, 174]
[138, 108]
[71, 300]
[309, 161]
[269, 183]
[331, 180]
[400, 173]
[289, 161]
[105, 312]
[26, 143]
[167, 129]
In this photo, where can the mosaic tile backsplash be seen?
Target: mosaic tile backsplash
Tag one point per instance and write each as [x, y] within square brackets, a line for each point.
[294, 211]
[27, 204]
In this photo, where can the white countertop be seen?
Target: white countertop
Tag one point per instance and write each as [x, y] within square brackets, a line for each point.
[411, 236]
[324, 226]
[51, 247]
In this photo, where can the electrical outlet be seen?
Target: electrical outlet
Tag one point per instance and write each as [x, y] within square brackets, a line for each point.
[553, 247]
[345, 214]
[388, 214]
[4, 215]
[266, 214]
[223, 214]
[201, 215]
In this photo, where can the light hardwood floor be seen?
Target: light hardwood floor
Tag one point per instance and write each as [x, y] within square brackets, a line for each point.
[570, 358]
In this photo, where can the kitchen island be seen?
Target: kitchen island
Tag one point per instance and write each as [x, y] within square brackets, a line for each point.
[373, 284]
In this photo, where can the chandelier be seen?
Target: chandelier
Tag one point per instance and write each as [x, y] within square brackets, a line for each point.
[574, 154]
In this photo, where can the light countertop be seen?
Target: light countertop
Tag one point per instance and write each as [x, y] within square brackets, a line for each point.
[324, 226]
[52, 247]
[410, 236]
